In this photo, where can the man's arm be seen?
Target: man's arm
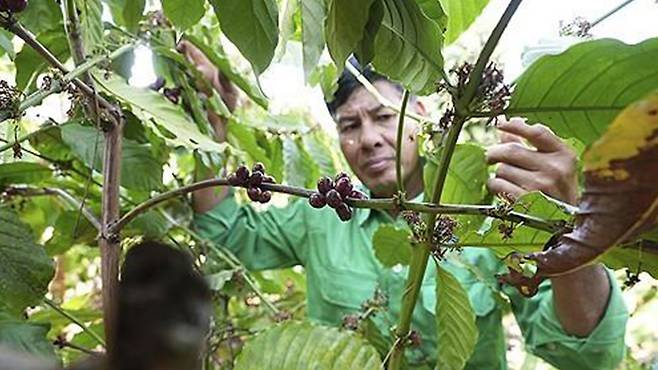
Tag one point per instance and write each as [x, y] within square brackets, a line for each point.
[206, 199]
[580, 298]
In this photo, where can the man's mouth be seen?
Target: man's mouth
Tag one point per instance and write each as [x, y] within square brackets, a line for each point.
[377, 164]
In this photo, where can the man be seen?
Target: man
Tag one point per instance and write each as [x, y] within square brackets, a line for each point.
[576, 321]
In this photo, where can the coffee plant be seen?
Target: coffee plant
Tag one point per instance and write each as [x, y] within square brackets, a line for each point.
[121, 167]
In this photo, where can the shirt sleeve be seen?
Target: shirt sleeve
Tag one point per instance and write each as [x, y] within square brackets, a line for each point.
[261, 240]
[544, 336]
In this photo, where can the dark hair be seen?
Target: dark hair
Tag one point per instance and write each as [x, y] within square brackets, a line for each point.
[347, 83]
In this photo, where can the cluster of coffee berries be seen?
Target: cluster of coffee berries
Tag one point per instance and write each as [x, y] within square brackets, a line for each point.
[253, 181]
[334, 192]
[9, 97]
[13, 6]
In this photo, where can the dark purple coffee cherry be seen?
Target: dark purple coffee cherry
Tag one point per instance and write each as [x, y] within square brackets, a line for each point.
[340, 176]
[265, 196]
[158, 84]
[234, 180]
[333, 198]
[325, 184]
[172, 94]
[254, 194]
[344, 186]
[269, 179]
[14, 6]
[242, 173]
[256, 179]
[317, 200]
[357, 195]
[344, 212]
[258, 167]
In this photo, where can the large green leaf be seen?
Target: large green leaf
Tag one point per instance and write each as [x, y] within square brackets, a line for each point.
[345, 26]
[140, 170]
[320, 147]
[302, 346]
[455, 323]
[579, 92]
[147, 104]
[300, 168]
[461, 14]
[91, 23]
[25, 269]
[26, 337]
[392, 245]
[252, 25]
[408, 45]
[70, 229]
[29, 63]
[313, 15]
[132, 13]
[23, 173]
[244, 138]
[6, 46]
[41, 15]
[184, 13]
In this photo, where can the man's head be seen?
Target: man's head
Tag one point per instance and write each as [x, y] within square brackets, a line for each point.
[367, 133]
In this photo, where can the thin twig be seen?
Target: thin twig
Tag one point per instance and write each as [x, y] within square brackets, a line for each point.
[380, 98]
[74, 320]
[608, 14]
[27, 191]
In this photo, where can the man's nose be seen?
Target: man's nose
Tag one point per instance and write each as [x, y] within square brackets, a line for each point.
[370, 135]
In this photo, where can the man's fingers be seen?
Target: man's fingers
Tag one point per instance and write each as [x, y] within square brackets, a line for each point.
[497, 185]
[515, 175]
[510, 138]
[540, 136]
[515, 154]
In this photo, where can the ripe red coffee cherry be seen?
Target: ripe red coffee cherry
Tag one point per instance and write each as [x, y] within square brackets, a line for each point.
[254, 194]
[317, 200]
[325, 184]
[242, 173]
[259, 167]
[333, 198]
[344, 212]
[265, 196]
[344, 186]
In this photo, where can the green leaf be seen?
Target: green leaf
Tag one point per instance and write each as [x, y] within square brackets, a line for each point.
[287, 26]
[218, 57]
[320, 148]
[252, 25]
[467, 175]
[392, 245]
[184, 13]
[6, 46]
[327, 77]
[244, 138]
[150, 224]
[408, 46]
[41, 15]
[26, 337]
[524, 239]
[147, 104]
[455, 322]
[313, 16]
[132, 13]
[302, 346]
[91, 23]
[365, 50]
[344, 27]
[70, 229]
[461, 14]
[23, 173]
[29, 64]
[300, 167]
[578, 93]
[140, 170]
[25, 269]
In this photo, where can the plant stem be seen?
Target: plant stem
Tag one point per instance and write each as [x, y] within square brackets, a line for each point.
[608, 14]
[400, 140]
[59, 85]
[74, 320]
[26, 191]
[380, 98]
[420, 255]
[27, 36]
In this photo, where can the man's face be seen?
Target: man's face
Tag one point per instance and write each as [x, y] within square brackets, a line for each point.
[367, 133]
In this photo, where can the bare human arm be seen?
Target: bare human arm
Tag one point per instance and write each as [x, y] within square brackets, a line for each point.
[581, 297]
[206, 199]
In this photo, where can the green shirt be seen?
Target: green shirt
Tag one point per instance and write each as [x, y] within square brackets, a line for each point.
[342, 272]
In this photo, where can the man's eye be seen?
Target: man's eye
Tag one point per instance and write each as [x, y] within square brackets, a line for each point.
[385, 116]
[348, 127]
